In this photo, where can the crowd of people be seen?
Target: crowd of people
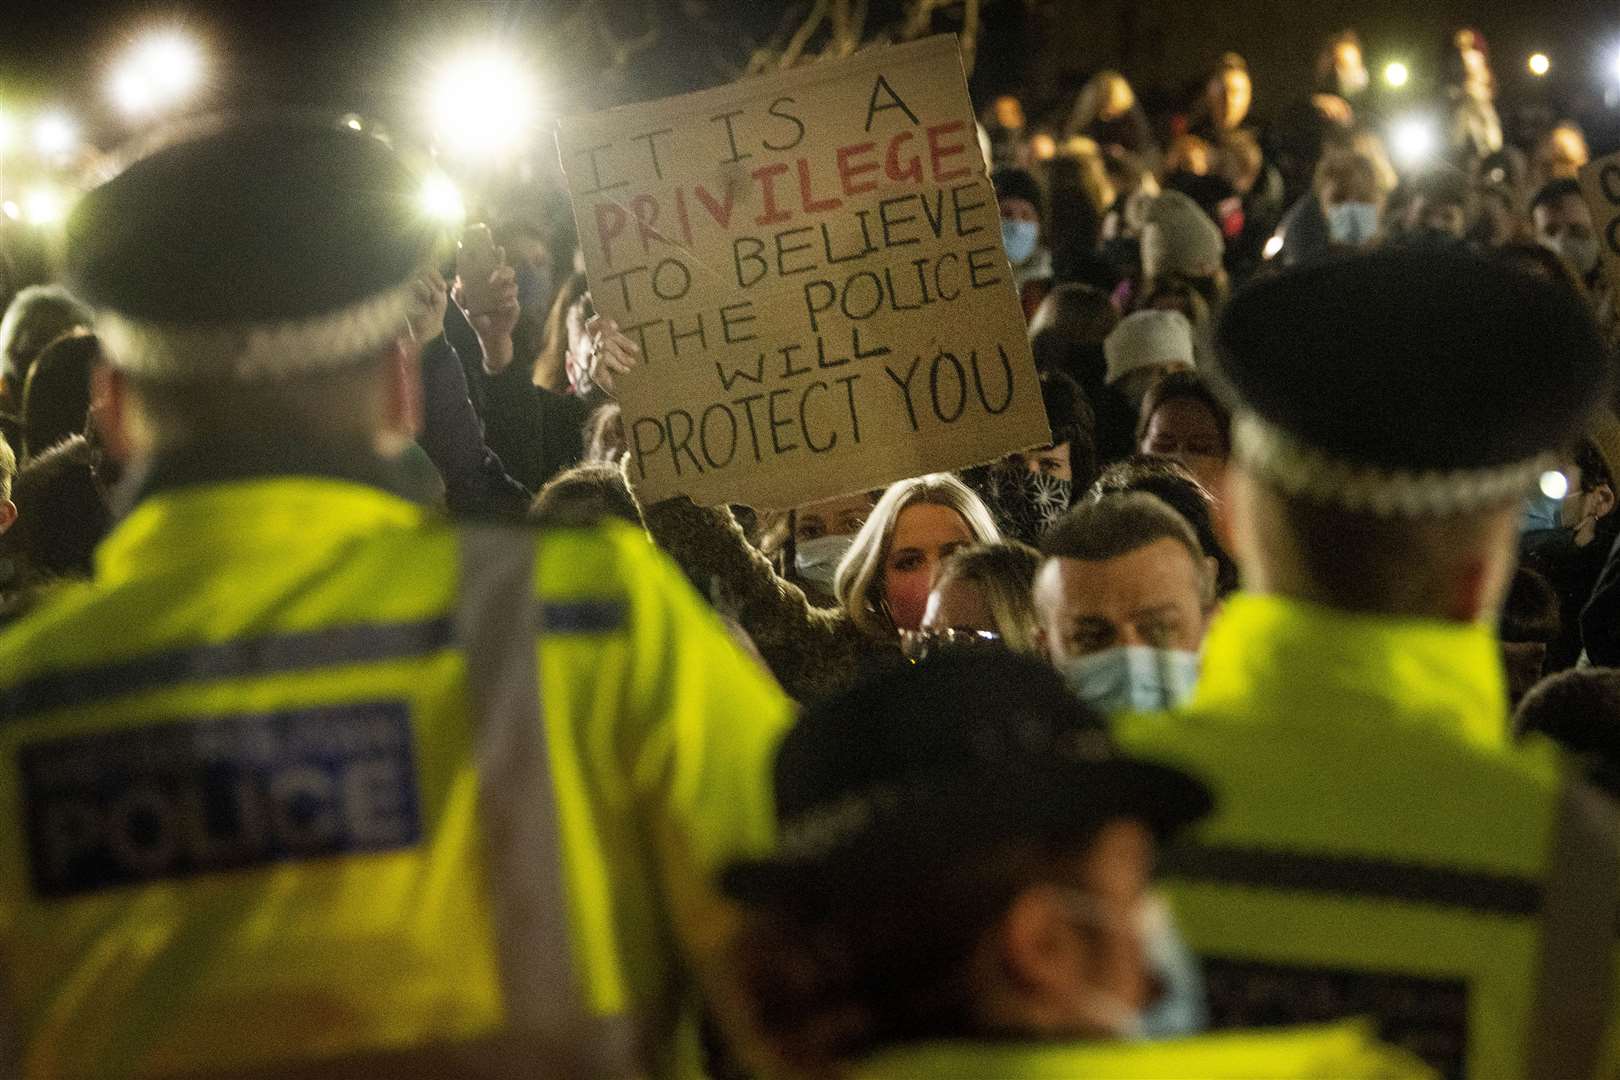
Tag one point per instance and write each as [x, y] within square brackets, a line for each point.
[1264, 724]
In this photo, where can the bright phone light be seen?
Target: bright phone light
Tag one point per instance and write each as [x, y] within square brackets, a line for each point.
[442, 200]
[44, 206]
[1539, 64]
[1273, 247]
[1396, 74]
[55, 134]
[11, 209]
[483, 103]
[1413, 140]
[1554, 484]
[159, 71]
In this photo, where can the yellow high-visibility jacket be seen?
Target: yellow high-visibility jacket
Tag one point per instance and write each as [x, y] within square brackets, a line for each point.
[1379, 849]
[1339, 1052]
[265, 798]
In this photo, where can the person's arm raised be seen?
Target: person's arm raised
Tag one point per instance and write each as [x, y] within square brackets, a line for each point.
[812, 651]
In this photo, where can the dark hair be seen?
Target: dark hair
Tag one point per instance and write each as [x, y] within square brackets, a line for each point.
[830, 987]
[1020, 184]
[1174, 484]
[1594, 470]
[56, 394]
[1116, 525]
[1530, 258]
[1184, 386]
[1443, 185]
[61, 515]
[1554, 191]
[1070, 416]
[1530, 612]
[1580, 710]
[584, 495]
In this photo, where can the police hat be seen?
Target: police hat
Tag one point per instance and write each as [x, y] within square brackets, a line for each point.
[251, 249]
[882, 788]
[1408, 383]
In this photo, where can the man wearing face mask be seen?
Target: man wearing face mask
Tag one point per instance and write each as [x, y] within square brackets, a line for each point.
[1124, 598]
[1020, 198]
[1352, 198]
[1572, 555]
[821, 535]
[1563, 224]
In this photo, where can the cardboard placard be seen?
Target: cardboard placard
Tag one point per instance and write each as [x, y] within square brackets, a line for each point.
[1600, 183]
[812, 265]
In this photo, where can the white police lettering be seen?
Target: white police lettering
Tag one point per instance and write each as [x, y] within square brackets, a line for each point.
[169, 800]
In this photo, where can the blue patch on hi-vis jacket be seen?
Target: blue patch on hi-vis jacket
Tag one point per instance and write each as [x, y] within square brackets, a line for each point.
[135, 805]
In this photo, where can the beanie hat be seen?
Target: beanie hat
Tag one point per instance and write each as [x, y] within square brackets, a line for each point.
[1148, 339]
[1179, 238]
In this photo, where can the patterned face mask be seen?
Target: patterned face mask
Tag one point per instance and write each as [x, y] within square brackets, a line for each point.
[1028, 503]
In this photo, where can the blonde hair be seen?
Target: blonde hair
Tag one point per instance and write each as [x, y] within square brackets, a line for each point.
[1091, 170]
[1005, 572]
[858, 585]
[1095, 96]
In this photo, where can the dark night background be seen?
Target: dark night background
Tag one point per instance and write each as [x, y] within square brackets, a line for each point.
[372, 56]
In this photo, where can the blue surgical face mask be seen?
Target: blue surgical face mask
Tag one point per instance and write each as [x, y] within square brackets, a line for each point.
[1352, 223]
[1132, 678]
[816, 561]
[1019, 238]
[1180, 1011]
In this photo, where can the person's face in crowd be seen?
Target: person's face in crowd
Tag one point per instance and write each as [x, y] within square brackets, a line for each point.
[1020, 228]
[1050, 461]
[1350, 69]
[1070, 955]
[924, 536]
[842, 516]
[1186, 430]
[1009, 112]
[957, 604]
[1352, 207]
[1582, 510]
[1152, 596]
[1565, 226]
[1230, 94]
[1446, 218]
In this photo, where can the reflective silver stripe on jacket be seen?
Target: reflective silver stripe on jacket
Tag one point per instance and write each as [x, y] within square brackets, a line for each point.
[497, 628]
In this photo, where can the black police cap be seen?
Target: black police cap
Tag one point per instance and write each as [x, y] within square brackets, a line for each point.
[291, 239]
[1408, 382]
[883, 786]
